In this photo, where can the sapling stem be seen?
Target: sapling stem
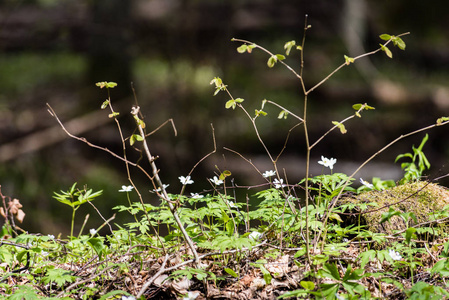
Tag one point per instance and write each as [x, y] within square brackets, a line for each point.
[164, 196]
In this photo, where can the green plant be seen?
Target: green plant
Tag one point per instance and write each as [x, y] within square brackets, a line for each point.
[75, 198]
[415, 168]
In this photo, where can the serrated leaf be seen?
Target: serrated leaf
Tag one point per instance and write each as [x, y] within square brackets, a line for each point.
[385, 36]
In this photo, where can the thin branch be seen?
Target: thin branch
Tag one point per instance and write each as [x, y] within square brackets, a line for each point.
[152, 279]
[345, 64]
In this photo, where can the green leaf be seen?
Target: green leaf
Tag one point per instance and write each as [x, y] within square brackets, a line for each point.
[398, 42]
[24, 292]
[330, 271]
[385, 37]
[106, 84]
[113, 115]
[97, 245]
[307, 285]
[58, 276]
[386, 50]
[134, 138]
[441, 120]
[409, 233]
[260, 113]
[348, 60]
[242, 48]
[230, 103]
[105, 104]
[283, 114]
[225, 174]
[288, 46]
[231, 272]
[340, 126]
[266, 275]
[272, 61]
[387, 216]
[280, 56]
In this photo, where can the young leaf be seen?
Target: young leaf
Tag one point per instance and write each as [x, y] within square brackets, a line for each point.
[280, 56]
[230, 103]
[225, 174]
[398, 42]
[348, 60]
[260, 112]
[283, 114]
[113, 115]
[441, 120]
[288, 47]
[242, 48]
[272, 61]
[105, 104]
[386, 50]
[340, 126]
[385, 36]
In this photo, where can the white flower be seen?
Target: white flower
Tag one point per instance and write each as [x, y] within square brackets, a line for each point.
[191, 296]
[159, 189]
[92, 231]
[216, 181]
[255, 235]
[278, 183]
[51, 236]
[128, 298]
[270, 173]
[44, 253]
[327, 162]
[366, 183]
[231, 204]
[394, 255]
[125, 188]
[185, 180]
[196, 196]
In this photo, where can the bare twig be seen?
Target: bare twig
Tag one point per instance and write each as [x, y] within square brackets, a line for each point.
[164, 195]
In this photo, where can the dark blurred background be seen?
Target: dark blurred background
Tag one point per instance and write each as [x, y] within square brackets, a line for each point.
[54, 51]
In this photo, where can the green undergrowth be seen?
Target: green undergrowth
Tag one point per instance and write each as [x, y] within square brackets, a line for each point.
[330, 236]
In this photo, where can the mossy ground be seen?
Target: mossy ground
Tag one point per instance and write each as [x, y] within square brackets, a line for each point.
[423, 199]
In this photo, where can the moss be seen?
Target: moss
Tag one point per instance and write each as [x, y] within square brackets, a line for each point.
[422, 198]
